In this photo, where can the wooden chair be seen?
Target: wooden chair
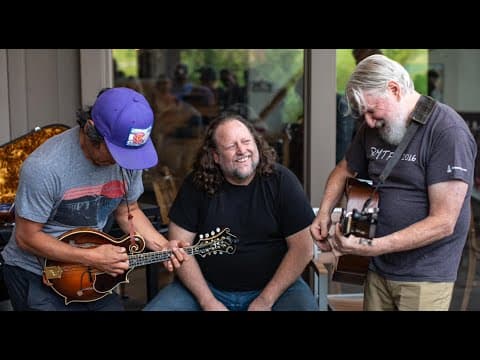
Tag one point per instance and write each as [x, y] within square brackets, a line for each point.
[473, 256]
[165, 191]
[328, 294]
[320, 276]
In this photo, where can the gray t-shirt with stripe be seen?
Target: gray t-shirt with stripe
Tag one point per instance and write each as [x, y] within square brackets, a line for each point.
[60, 188]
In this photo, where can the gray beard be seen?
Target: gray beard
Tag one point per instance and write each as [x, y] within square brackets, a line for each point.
[239, 176]
[392, 135]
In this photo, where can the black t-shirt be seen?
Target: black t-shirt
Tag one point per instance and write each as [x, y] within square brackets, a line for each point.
[261, 215]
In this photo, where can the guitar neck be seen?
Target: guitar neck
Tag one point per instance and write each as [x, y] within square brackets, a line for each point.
[157, 256]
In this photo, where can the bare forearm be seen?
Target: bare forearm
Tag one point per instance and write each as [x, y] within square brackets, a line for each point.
[142, 225]
[334, 188]
[420, 234]
[440, 223]
[190, 272]
[47, 246]
[107, 257]
[293, 264]
[333, 192]
[193, 279]
[31, 238]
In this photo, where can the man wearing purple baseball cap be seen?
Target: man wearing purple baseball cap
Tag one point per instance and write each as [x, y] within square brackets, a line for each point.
[73, 183]
[124, 119]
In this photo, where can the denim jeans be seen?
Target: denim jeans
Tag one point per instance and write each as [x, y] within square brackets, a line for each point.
[176, 297]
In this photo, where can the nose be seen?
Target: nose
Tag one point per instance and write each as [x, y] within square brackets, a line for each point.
[369, 120]
[240, 148]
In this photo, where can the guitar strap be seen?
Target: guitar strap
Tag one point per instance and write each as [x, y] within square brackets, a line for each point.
[131, 228]
[420, 114]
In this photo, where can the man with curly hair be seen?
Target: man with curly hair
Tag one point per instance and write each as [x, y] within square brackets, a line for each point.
[236, 183]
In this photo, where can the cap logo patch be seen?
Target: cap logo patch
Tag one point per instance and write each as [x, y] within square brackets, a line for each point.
[138, 137]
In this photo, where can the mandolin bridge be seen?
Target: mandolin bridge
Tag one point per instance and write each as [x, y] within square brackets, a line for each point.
[53, 272]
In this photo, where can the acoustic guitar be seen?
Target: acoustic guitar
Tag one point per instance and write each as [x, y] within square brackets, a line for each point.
[359, 219]
[80, 283]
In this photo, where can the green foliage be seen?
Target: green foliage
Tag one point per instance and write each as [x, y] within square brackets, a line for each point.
[414, 60]
[233, 59]
[345, 66]
[126, 61]
[273, 64]
[277, 64]
[421, 83]
[282, 67]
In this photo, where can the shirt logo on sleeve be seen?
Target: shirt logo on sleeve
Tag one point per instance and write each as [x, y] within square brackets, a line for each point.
[451, 168]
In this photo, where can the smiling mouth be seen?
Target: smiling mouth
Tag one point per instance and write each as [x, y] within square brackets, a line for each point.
[243, 159]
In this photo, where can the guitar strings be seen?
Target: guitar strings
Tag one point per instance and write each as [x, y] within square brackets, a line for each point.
[139, 258]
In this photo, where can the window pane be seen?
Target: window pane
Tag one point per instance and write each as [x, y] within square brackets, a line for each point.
[187, 88]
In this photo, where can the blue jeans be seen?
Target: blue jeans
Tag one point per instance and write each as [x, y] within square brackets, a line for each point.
[176, 297]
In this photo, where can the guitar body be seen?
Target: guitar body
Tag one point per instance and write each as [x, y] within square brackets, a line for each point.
[353, 269]
[76, 282]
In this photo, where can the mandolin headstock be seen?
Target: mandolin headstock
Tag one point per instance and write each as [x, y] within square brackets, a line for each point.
[216, 242]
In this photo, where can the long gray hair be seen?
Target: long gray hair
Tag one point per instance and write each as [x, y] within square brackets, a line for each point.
[372, 74]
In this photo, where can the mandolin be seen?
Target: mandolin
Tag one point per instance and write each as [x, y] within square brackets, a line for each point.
[80, 283]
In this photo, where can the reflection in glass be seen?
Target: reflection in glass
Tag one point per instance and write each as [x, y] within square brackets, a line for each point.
[188, 88]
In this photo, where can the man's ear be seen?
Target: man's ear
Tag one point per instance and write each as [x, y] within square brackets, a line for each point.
[89, 128]
[91, 132]
[394, 88]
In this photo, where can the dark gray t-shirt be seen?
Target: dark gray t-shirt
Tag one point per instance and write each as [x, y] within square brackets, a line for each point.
[442, 150]
[60, 188]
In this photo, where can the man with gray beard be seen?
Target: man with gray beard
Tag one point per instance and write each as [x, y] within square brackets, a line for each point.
[420, 232]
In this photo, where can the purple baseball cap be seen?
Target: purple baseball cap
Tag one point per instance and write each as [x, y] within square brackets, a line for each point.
[125, 119]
